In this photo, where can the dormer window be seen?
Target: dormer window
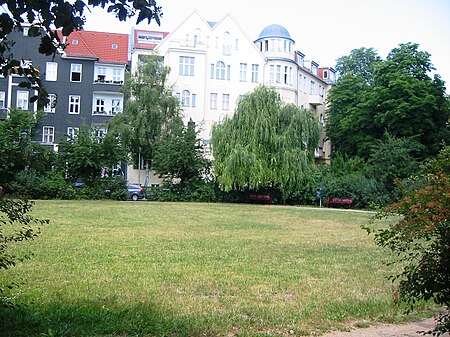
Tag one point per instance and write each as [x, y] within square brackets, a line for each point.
[75, 42]
[114, 46]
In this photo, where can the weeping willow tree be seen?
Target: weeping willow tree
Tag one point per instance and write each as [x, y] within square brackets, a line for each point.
[266, 144]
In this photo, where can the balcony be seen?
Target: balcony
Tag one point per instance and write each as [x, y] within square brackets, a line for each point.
[315, 100]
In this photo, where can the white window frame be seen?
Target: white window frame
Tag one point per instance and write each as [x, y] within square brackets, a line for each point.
[48, 134]
[278, 74]
[243, 72]
[101, 74]
[76, 68]
[22, 99]
[213, 101]
[272, 74]
[2, 99]
[225, 101]
[117, 75]
[51, 71]
[72, 132]
[312, 88]
[185, 98]
[255, 73]
[220, 70]
[186, 66]
[74, 104]
[115, 106]
[99, 106]
[50, 107]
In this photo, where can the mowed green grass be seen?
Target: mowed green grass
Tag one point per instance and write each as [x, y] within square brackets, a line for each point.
[105, 268]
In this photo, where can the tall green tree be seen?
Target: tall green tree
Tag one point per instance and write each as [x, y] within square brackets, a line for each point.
[395, 95]
[68, 16]
[150, 108]
[266, 144]
[179, 154]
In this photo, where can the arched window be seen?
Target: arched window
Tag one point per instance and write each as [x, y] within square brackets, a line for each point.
[186, 98]
[220, 70]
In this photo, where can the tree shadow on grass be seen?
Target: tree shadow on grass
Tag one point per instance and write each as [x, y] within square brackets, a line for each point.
[93, 319]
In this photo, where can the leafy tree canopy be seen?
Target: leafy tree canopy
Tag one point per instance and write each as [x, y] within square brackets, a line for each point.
[148, 112]
[46, 16]
[179, 154]
[265, 144]
[396, 95]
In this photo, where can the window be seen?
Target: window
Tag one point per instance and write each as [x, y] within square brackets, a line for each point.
[220, 70]
[117, 75]
[226, 44]
[99, 106]
[186, 98]
[228, 72]
[114, 46]
[22, 100]
[187, 66]
[272, 73]
[325, 74]
[255, 71]
[243, 72]
[213, 100]
[48, 134]
[225, 102]
[278, 79]
[286, 74]
[51, 71]
[2, 99]
[212, 71]
[101, 74]
[115, 106]
[50, 107]
[75, 72]
[72, 133]
[304, 84]
[74, 104]
[312, 88]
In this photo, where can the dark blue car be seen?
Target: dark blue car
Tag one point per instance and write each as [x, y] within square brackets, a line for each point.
[135, 192]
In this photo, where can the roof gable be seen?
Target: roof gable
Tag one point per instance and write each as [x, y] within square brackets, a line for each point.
[106, 47]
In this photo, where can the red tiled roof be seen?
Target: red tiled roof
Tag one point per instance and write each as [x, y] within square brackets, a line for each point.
[107, 47]
[147, 45]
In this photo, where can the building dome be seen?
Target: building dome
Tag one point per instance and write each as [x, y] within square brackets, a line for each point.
[275, 31]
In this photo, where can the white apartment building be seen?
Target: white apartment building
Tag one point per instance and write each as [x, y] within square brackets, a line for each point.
[214, 63]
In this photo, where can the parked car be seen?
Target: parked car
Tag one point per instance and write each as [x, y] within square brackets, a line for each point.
[135, 192]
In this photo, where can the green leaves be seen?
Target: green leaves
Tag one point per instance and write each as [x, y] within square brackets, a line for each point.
[265, 144]
[394, 95]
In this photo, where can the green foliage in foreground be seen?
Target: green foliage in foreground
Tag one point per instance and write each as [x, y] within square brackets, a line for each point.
[421, 238]
[108, 268]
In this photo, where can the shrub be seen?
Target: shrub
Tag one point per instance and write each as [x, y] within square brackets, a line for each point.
[421, 239]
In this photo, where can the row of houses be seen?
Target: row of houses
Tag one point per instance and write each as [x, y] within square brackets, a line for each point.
[212, 65]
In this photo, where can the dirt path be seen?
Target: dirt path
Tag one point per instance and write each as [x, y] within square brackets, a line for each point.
[389, 330]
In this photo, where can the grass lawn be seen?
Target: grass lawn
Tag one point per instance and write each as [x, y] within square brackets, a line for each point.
[105, 268]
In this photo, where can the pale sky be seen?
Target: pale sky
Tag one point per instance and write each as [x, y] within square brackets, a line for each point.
[323, 30]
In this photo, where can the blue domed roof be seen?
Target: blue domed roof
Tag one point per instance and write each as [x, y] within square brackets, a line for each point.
[275, 31]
